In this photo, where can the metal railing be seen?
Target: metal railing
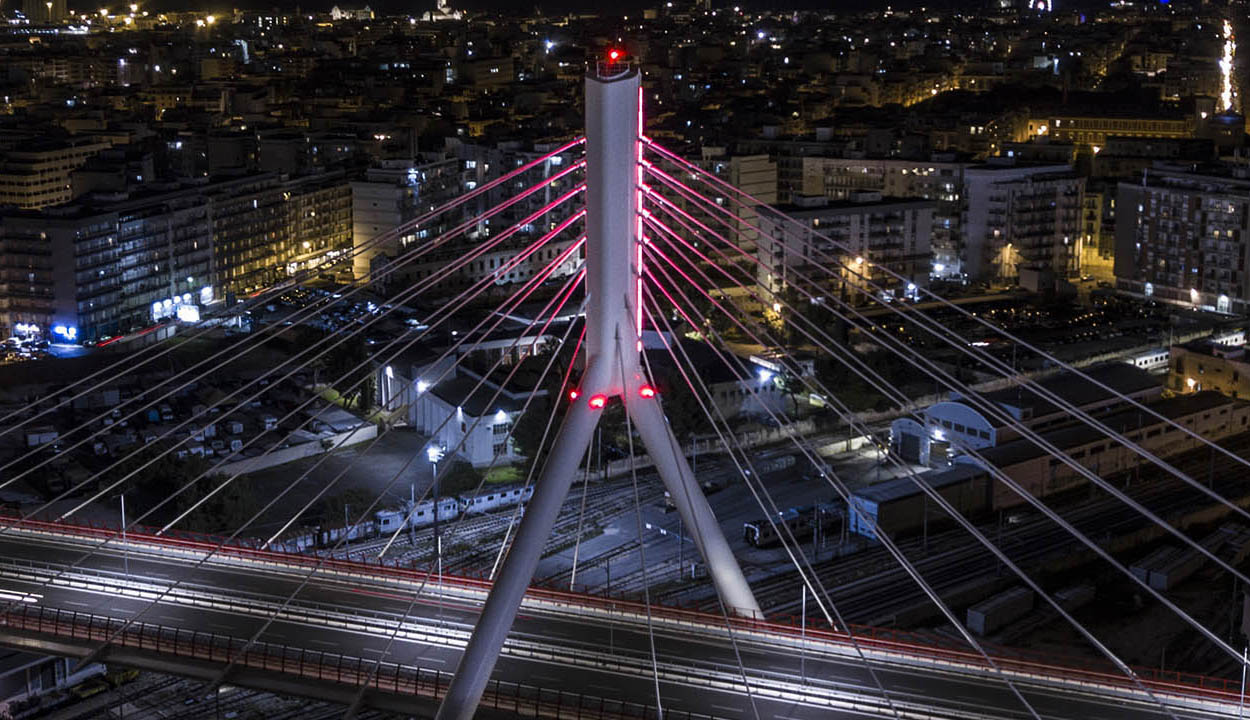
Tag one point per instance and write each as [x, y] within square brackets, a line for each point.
[394, 678]
[887, 641]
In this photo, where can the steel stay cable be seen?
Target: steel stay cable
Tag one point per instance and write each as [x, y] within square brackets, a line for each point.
[845, 414]
[566, 292]
[477, 492]
[348, 373]
[811, 583]
[988, 358]
[422, 250]
[529, 476]
[518, 297]
[989, 407]
[515, 299]
[679, 458]
[448, 311]
[1037, 439]
[843, 491]
[1015, 487]
[581, 515]
[642, 551]
[129, 362]
[427, 282]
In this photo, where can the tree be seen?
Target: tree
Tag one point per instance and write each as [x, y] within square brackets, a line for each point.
[331, 509]
[350, 361]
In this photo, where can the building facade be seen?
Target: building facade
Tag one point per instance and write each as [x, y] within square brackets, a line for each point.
[106, 266]
[938, 180]
[1181, 237]
[876, 246]
[1022, 224]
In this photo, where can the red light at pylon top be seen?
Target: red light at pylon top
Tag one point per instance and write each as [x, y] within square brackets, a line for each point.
[615, 55]
[646, 391]
[597, 402]
[573, 394]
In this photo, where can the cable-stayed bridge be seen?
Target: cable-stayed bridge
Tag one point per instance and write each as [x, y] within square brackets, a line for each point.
[653, 241]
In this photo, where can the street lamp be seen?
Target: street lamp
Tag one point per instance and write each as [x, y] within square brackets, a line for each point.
[434, 453]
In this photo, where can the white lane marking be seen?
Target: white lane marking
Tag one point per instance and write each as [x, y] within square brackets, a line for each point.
[727, 708]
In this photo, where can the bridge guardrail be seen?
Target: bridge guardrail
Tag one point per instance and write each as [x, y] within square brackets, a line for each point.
[323, 666]
[886, 640]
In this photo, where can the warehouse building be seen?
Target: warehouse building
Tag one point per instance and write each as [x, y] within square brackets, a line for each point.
[899, 505]
[956, 424]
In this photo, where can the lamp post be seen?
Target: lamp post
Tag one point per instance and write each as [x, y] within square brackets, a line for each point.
[125, 547]
[434, 453]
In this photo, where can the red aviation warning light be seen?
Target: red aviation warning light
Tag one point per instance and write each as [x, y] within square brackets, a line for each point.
[573, 394]
[614, 55]
[597, 402]
[646, 391]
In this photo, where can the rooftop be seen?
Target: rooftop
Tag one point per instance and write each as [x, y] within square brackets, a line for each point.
[1123, 421]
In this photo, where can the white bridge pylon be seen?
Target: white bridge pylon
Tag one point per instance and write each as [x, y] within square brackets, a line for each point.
[613, 347]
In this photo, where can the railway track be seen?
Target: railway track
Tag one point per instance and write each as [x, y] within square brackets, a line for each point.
[870, 588]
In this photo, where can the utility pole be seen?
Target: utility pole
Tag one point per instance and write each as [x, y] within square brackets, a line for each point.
[347, 531]
[803, 634]
[125, 546]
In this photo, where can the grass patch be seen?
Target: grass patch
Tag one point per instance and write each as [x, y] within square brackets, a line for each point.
[505, 474]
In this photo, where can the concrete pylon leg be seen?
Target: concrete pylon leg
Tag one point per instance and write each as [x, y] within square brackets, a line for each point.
[695, 513]
[518, 567]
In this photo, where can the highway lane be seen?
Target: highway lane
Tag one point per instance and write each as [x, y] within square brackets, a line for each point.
[598, 655]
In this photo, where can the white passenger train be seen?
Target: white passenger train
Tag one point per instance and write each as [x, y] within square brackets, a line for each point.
[1152, 360]
[1156, 360]
[452, 507]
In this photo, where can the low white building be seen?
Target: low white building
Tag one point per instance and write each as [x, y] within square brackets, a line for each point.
[459, 414]
[955, 425]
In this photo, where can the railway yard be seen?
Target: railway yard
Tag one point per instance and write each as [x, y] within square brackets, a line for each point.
[597, 549]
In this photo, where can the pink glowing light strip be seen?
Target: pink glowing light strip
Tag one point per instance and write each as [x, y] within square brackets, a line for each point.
[638, 229]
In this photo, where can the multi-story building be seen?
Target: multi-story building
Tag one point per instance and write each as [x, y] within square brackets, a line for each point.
[1182, 237]
[1097, 239]
[106, 267]
[940, 179]
[1209, 365]
[267, 228]
[755, 175]
[110, 269]
[33, 177]
[45, 12]
[1021, 223]
[26, 294]
[875, 245]
[1094, 130]
[398, 191]
[392, 193]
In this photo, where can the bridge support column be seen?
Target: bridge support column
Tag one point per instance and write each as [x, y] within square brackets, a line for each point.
[664, 450]
[518, 567]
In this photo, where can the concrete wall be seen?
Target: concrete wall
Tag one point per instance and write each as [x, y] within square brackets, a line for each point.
[303, 450]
